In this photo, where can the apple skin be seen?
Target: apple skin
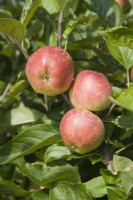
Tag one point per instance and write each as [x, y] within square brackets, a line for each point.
[91, 91]
[50, 70]
[81, 130]
[131, 74]
[123, 3]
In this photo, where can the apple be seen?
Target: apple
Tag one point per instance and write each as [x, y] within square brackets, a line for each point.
[50, 70]
[124, 4]
[131, 74]
[81, 130]
[91, 91]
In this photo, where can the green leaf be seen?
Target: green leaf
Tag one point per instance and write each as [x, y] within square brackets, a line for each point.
[69, 28]
[19, 115]
[63, 3]
[16, 90]
[9, 188]
[122, 163]
[123, 54]
[125, 99]
[116, 193]
[28, 11]
[125, 120]
[39, 195]
[53, 39]
[85, 43]
[119, 42]
[73, 23]
[121, 36]
[28, 141]
[96, 187]
[47, 175]
[51, 6]
[68, 191]
[95, 157]
[109, 177]
[108, 11]
[127, 181]
[56, 152]
[12, 28]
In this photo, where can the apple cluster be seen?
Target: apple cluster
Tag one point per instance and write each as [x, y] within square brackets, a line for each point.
[50, 71]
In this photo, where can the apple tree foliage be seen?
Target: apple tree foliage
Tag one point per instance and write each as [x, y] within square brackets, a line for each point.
[34, 162]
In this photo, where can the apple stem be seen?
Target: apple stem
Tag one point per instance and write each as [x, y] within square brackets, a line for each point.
[128, 82]
[59, 32]
[66, 42]
[46, 103]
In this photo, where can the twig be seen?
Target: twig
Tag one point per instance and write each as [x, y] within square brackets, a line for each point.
[67, 100]
[45, 104]
[107, 156]
[17, 45]
[128, 82]
[59, 32]
[124, 148]
[11, 80]
[115, 102]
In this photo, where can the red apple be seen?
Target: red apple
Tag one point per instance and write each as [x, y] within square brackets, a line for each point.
[91, 91]
[131, 74]
[123, 3]
[81, 130]
[50, 70]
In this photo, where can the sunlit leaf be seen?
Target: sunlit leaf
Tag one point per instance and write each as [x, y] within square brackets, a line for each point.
[28, 11]
[56, 152]
[39, 195]
[12, 28]
[122, 163]
[28, 141]
[63, 3]
[20, 115]
[124, 100]
[96, 187]
[119, 42]
[73, 23]
[51, 6]
[108, 11]
[47, 175]
[116, 193]
[69, 191]
[122, 36]
[109, 177]
[127, 181]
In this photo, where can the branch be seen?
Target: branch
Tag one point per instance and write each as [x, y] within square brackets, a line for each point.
[59, 32]
[67, 100]
[45, 104]
[17, 45]
[11, 80]
[107, 154]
